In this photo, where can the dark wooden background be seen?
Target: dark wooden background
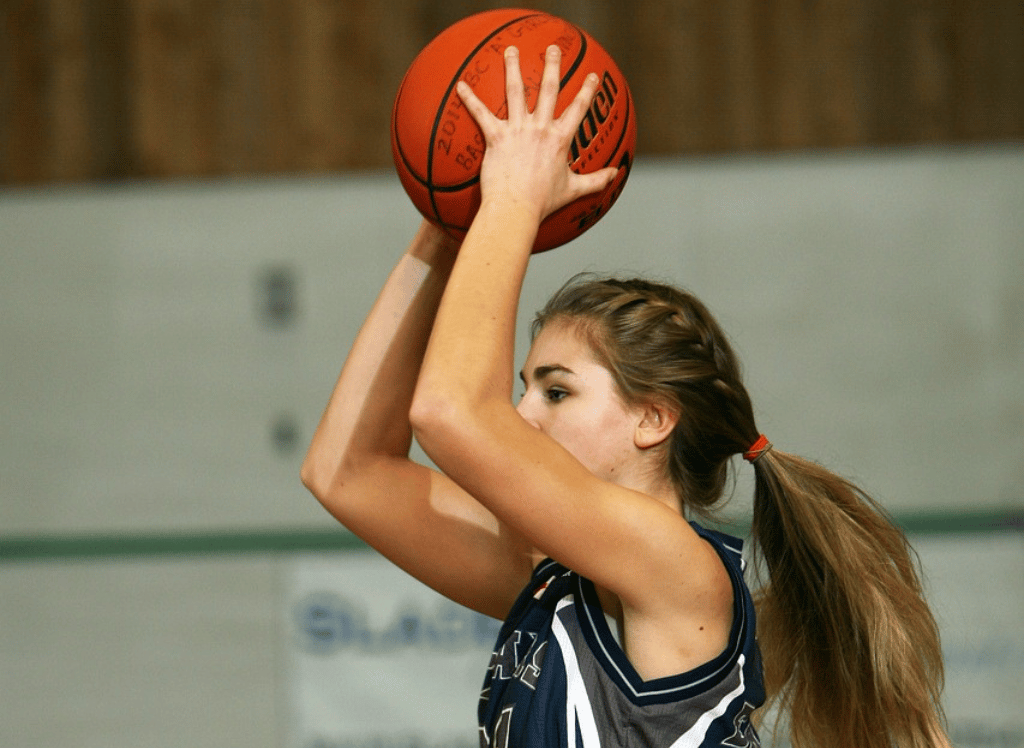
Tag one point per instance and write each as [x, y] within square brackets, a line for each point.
[100, 90]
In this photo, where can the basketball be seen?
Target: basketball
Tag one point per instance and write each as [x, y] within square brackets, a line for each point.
[437, 146]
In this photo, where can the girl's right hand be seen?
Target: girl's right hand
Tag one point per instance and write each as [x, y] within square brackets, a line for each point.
[526, 159]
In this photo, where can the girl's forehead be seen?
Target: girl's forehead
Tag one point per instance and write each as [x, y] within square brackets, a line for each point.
[560, 334]
[561, 345]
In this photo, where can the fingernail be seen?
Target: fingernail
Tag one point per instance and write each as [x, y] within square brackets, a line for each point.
[511, 51]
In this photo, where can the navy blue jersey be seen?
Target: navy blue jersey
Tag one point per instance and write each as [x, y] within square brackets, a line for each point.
[558, 679]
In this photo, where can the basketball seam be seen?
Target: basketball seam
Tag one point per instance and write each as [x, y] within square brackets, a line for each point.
[625, 127]
[577, 62]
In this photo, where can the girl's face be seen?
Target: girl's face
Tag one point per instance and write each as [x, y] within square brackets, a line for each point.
[574, 400]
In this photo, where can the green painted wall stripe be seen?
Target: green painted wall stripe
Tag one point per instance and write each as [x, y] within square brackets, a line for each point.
[959, 523]
[100, 545]
[134, 545]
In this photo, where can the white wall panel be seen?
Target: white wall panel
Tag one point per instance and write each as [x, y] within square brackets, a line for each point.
[139, 653]
[876, 299]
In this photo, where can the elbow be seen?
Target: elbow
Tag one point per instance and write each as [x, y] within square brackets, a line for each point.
[335, 484]
[438, 419]
[322, 469]
[452, 422]
[313, 475]
[428, 415]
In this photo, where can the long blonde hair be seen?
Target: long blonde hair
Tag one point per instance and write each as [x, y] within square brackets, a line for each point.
[850, 648]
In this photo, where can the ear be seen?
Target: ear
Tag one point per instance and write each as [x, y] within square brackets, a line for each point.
[655, 425]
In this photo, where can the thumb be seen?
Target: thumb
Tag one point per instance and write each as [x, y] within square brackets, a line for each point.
[587, 184]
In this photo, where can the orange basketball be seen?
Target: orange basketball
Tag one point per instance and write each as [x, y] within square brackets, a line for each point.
[437, 146]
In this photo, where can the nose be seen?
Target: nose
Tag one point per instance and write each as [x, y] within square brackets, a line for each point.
[525, 409]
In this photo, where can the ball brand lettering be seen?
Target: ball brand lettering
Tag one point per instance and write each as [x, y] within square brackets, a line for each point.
[597, 115]
[567, 42]
[510, 35]
[588, 218]
[473, 73]
[447, 130]
[449, 125]
[469, 157]
[528, 24]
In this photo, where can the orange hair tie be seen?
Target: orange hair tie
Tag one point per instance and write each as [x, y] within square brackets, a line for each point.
[757, 449]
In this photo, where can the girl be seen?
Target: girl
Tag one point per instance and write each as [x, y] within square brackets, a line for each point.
[625, 624]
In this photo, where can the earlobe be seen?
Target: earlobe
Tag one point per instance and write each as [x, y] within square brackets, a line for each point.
[655, 425]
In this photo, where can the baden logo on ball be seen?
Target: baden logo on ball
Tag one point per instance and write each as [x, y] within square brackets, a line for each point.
[438, 147]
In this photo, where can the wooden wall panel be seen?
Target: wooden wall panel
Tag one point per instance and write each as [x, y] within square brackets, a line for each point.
[67, 111]
[26, 85]
[988, 61]
[837, 40]
[910, 81]
[115, 89]
[110, 152]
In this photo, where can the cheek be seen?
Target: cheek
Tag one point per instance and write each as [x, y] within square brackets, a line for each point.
[599, 438]
[613, 424]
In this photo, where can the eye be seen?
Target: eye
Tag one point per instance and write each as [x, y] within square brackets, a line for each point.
[555, 394]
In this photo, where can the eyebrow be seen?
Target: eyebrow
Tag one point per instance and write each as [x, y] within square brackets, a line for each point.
[542, 371]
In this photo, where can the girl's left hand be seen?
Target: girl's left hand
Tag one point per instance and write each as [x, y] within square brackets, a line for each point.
[526, 160]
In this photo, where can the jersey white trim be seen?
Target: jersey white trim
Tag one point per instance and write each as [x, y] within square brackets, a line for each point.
[578, 710]
[694, 737]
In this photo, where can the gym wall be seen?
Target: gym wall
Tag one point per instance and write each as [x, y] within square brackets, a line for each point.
[167, 350]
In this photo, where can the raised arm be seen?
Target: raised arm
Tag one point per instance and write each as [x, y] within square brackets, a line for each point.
[614, 531]
[358, 463]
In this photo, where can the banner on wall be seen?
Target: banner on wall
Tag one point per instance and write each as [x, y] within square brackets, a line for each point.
[377, 660]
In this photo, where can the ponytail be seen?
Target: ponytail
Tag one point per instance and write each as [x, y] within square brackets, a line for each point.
[851, 650]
